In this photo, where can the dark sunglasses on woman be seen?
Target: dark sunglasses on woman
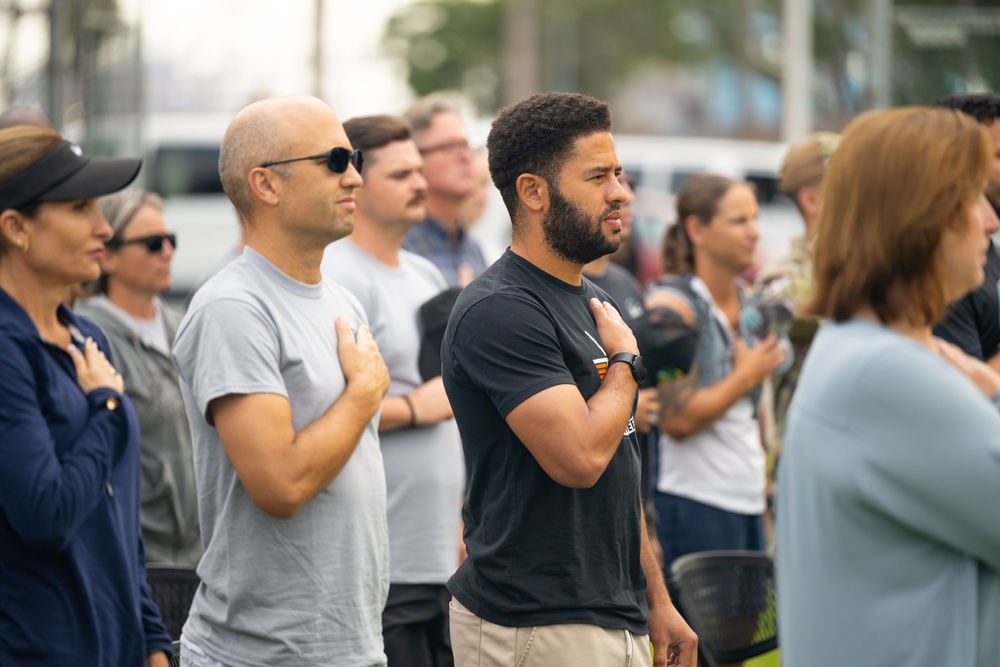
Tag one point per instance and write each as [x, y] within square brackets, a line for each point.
[153, 242]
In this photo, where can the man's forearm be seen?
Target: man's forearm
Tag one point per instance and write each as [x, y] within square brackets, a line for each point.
[283, 470]
[672, 639]
[610, 409]
[397, 413]
[656, 590]
[331, 440]
[705, 406]
[994, 362]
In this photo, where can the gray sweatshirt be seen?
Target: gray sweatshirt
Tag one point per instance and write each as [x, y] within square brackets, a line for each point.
[169, 495]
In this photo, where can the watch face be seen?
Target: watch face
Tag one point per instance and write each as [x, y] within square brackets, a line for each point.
[639, 369]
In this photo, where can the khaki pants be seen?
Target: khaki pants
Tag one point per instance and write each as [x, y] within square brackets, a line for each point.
[479, 643]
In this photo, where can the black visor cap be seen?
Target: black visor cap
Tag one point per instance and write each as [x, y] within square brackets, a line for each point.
[64, 174]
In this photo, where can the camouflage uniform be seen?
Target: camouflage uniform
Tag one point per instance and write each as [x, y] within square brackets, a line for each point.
[796, 267]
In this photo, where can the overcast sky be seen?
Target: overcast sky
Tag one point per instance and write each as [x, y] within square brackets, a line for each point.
[264, 46]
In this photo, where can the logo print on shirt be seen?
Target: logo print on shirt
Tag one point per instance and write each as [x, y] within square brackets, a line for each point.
[601, 363]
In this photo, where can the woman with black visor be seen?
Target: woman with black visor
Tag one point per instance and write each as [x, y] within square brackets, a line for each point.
[73, 588]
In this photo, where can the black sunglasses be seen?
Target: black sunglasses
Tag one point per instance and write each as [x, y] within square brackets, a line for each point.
[337, 160]
[153, 242]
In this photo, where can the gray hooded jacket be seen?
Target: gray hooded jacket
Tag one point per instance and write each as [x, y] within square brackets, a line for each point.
[169, 495]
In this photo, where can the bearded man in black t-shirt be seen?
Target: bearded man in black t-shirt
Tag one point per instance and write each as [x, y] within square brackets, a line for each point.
[542, 374]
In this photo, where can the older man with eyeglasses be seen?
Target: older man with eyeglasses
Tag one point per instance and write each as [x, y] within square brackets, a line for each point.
[282, 383]
[448, 167]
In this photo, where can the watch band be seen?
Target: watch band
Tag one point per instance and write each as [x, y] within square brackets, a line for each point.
[635, 364]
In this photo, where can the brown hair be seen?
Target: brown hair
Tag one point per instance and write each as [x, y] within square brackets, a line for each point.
[421, 113]
[699, 198]
[368, 133]
[899, 179]
[21, 146]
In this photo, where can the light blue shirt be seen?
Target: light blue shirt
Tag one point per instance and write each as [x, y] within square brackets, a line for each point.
[888, 526]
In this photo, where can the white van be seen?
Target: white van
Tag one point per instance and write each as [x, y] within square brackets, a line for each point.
[181, 164]
[661, 165]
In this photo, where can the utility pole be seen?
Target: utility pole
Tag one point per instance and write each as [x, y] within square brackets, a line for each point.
[521, 50]
[796, 69]
[62, 63]
[318, 69]
[880, 18]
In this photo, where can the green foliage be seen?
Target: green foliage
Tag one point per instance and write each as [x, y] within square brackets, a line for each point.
[595, 46]
[445, 42]
[923, 74]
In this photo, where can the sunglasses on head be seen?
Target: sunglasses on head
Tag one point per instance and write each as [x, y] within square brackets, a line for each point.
[153, 242]
[337, 160]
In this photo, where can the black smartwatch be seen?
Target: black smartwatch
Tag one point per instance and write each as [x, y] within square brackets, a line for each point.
[635, 364]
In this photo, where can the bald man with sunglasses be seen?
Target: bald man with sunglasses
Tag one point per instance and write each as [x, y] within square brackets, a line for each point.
[282, 383]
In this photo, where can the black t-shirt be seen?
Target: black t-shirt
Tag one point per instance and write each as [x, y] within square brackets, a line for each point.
[624, 289]
[973, 323]
[539, 553]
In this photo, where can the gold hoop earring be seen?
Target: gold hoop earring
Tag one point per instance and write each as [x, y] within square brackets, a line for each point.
[25, 246]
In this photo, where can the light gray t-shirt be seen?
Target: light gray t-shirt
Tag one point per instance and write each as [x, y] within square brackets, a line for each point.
[424, 467]
[302, 591]
[888, 542]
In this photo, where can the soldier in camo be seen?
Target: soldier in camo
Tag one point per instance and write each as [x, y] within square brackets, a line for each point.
[800, 179]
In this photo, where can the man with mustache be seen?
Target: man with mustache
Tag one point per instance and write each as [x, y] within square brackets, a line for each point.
[973, 324]
[542, 375]
[421, 450]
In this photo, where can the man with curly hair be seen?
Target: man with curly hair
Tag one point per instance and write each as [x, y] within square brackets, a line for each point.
[542, 376]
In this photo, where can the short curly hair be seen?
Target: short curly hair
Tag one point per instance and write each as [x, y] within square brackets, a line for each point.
[984, 107]
[536, 135]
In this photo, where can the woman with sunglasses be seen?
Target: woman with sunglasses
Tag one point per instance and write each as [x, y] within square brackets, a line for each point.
[140, 328]
[73, 588]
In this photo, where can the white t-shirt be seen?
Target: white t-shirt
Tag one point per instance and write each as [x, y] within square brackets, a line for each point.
[723, 464]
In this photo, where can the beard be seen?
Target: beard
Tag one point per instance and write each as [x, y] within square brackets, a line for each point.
[575, 236]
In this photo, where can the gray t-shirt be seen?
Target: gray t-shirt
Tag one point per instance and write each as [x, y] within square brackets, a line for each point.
[302, 591]
[424, 468]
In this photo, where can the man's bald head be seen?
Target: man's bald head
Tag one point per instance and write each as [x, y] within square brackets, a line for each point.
[270, 129]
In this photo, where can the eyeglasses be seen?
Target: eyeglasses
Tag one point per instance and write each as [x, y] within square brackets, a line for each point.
[337, 160]
[153, 242]
[456, 147]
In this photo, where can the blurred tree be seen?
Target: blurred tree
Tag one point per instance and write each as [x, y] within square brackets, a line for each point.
[945, 47]
[450, 45]
[13, 13]
[79, 33]
[587, 45]
[485, 48]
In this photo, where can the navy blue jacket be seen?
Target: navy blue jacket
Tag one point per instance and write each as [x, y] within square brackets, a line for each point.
[72, 571]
